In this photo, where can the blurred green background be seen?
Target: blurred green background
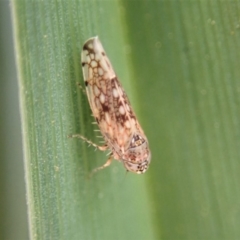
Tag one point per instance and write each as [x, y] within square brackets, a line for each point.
[13, 207]
[179, 63]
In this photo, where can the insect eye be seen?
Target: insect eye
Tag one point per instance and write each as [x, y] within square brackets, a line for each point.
[136, 141]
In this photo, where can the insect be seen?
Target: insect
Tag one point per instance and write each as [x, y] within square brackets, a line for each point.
[110, 106]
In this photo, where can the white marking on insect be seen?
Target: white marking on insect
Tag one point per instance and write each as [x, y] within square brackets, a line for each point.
[93, 64]
[121, 110]
[112, 111]
[127, 124]
[90, 45]
[102, 98]
[115, 92]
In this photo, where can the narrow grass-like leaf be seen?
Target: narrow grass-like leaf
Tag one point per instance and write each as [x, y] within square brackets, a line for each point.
[178, 61]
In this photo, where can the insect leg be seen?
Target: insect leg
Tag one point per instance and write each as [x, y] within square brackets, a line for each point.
[102, 148]
[106, 164]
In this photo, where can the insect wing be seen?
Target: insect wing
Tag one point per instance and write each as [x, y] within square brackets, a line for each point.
[107, 99]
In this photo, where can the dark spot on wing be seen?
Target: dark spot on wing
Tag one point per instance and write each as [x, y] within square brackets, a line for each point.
[85, 47]
[105, 108]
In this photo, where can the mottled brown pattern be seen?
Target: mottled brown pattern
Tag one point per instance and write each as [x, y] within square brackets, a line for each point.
[112, 110]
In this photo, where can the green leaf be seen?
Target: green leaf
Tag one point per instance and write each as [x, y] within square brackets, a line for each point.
[178, 61]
